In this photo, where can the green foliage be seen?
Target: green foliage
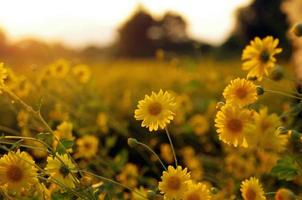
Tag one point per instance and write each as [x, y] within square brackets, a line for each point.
[63, 145]
[286, 168]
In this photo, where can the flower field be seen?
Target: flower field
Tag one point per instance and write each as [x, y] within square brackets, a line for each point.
[171, 129]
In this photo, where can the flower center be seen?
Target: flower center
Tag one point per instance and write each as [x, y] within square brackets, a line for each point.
[14, 173]
[265, 125]
[64, 170]
[234, 125]
[87, 145]
[155, 108]
[193, 196]
[241, 93]
[250, 194]
[265, 56]
[174, 183]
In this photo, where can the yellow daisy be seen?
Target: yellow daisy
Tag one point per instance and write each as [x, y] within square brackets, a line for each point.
[232, 125]
[265, 132]
[61, 169]
[82, 73]
[174, 182]
[258, 57]
[251, 189]
[156, 110]
[240, 92]
[17, 172]
[87, 146]
[197, 191]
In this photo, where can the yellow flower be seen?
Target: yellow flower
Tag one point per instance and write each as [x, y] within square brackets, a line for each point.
[240, 92]
[199, 124]
[61, 169]
[22, 87]
[64, 131]
[166, 153]
[139, 194]
[102, 122]
[284, 194]
[197, 191]
[174, 182]
[259, 57]
[156, 110]
[59, 69]
[82, 73]
[232, 124]
[3, 74]
[17, 172]
[129, 175]
[87, 146]
[251, 189]
[265, 133]
[23, 118]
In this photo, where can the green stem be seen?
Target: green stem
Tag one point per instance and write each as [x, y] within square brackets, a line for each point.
[172, 147]
[283, 93]
[153, 152]
[114, 182]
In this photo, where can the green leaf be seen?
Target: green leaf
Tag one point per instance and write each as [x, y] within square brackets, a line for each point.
[45, 137]
[64, 145]
[286, 169]
[61, 195]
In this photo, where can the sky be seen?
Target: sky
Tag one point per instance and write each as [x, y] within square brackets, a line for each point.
[79, 23]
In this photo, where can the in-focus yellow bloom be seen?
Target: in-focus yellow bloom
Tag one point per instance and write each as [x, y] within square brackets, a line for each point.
[156, 110]
[251, 189]
[240, 92]
[87, 146]
[174, 182]
[200, 124]
[82, 73]
[17, 172]
[259, 57]
[129, 175]
[197, 191]
[232, 125]
[61, 169]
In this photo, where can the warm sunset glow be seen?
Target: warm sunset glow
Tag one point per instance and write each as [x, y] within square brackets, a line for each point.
[80, 23]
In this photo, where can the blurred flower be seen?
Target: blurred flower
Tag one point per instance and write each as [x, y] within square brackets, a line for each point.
[3, 74]
[102, 122]
[174, 182]
[23, 118]
[252, 189]
[59, 69]
[197, 191]
[82, 73]
[61, 169]
[87, 146]
[156, 110]
[258, 57]
[200, 124]
[17, 172]
[232, 124]
[63, 131]
[166, 153]
[22, 87]
[129, 175]
[140, 193]
[284, 194]
[240, 92]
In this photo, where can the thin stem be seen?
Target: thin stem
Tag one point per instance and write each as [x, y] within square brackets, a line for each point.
[114, 182]
[270, 193]
[172, 147]
[23, 145]
[283, 93]
[153, 152]
[8, 130]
